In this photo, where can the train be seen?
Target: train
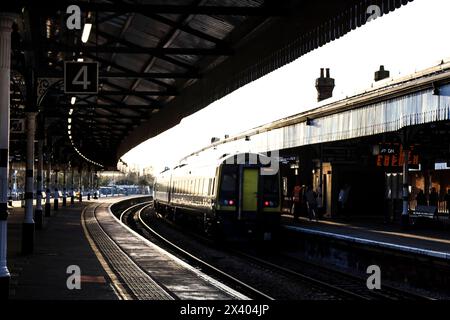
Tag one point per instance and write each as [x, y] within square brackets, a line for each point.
[231, 197]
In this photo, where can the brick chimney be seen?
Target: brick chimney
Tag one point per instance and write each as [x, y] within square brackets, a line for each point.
[381, 74]
[324, 85]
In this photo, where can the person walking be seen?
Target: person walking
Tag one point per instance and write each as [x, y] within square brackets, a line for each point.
[311, 202]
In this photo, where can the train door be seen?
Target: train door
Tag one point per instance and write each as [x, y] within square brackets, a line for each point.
[250, 189]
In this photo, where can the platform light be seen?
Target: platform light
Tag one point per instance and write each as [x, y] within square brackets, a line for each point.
[69, 126]
[80, 59]
[70, 137]
[70, 112]
[70, 133]
[86, 32]
[69, 120]
[73, 100]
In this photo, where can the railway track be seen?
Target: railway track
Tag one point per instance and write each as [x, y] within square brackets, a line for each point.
[331, 278]
[135, 211]
[333, 282]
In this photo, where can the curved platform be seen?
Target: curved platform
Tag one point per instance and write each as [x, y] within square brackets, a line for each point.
[141, 270]
[114, 261]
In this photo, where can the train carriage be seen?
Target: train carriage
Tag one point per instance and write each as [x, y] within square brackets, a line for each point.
[229, 197]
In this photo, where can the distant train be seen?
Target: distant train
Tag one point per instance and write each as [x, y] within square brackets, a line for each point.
[228, 197]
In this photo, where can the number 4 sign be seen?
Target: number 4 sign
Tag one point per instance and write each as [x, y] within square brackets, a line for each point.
[80, 77]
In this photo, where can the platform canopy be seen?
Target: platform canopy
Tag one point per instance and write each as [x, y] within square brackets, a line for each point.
[160, 61]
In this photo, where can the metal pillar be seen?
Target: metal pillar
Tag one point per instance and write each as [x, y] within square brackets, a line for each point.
[80, 184]
[64, 200]
[405, 212]
[38, 214]
[89, 184]
[6, 21]
[94, 182]
[72, 194]
[28, 223]
[48, 190]
[56, 194]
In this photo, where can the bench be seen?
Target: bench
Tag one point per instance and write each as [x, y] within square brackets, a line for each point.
[424, 212]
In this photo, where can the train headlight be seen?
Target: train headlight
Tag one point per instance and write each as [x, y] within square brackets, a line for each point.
[270, 204]
[229, 202]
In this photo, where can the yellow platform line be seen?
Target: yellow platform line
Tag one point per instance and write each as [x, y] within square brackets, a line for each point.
[119, 289]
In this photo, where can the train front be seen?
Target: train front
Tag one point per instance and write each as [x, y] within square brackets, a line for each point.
[249, 196]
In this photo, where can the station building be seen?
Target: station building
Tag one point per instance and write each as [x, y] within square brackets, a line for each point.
[366, 143]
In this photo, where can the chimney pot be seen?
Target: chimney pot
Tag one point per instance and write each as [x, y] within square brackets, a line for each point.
[324, 86]
[381, 74]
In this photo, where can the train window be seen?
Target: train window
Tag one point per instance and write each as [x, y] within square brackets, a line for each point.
[213, 185]
[202, 186]
[209, 186]
[228, 185]
[271, 189]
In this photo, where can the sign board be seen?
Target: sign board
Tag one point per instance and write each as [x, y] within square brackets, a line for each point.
[392, 155]
[17, 126]
[80, 77]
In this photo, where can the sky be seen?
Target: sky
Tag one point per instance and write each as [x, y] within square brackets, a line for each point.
[405, 41]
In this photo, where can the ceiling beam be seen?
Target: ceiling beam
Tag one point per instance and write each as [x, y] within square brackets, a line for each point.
[160, 52]
[129, 44]
[166, 93]
[161, 8]
[125, 69]
[132, 75]
[75, 106]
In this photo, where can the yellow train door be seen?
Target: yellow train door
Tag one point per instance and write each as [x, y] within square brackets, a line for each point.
[250, 189]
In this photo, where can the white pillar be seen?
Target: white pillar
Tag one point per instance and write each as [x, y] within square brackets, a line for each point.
[80, 171]
[38, 214]
[6, 21]
[72, 194]
[64, 187]
[28, 223]
[47, 187]
[56, 194]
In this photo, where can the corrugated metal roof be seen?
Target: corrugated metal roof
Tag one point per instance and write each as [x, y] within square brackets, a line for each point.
[133, 49]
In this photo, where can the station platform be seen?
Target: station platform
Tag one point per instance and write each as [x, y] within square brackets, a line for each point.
[60, 244]
[115, 263]
[426, 242]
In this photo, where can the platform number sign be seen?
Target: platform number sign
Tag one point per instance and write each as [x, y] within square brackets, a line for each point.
[80, 77]
[17, 125]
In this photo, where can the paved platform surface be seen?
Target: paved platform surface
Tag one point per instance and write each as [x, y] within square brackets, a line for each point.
[60, 244]
[144, 270]
[115, 262]
[422, 241]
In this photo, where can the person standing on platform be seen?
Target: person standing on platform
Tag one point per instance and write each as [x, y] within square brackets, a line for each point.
[434, 198]
[296, 201]
[311, 202]
[421, 199]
